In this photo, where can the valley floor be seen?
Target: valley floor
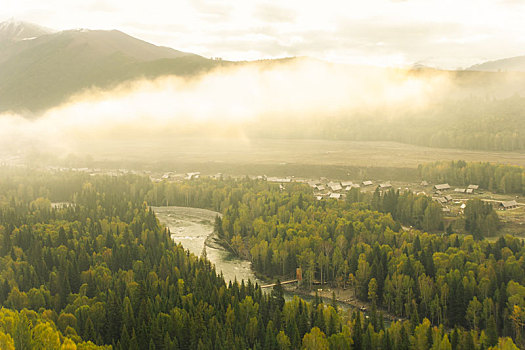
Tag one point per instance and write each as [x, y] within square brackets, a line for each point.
[175, 150]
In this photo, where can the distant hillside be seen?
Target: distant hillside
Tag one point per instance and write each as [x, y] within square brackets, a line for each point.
[478, 111]
[503, 65]
[43, 71]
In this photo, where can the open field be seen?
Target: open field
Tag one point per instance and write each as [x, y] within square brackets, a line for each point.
[269, 151]
[513, 221]
[290, 157]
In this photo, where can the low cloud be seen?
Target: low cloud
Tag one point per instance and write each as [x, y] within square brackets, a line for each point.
[221, 103]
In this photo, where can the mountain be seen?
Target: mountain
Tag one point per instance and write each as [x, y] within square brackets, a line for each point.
[512, 64]
[41, 69]
[13, 30]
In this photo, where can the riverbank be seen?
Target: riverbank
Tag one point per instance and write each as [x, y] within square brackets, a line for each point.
[345, 299]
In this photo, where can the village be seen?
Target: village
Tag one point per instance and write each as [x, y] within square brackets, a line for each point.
[452, 199]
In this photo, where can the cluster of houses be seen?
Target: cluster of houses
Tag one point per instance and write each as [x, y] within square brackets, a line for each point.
[331, 190]
[438, 197]
[173, 176]
[444, 200]
[337, 190]
[445, 187]
[469, 190]
[282, 180]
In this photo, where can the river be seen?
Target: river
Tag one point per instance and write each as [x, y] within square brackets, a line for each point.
[191, 227]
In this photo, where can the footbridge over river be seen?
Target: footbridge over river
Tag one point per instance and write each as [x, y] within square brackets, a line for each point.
[283, 282]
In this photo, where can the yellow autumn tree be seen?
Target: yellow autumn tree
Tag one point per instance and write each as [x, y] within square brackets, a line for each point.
[315, 340]
[45, 337]
[6, 342]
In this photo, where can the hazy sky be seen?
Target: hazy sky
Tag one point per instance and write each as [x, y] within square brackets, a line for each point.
[444, 33]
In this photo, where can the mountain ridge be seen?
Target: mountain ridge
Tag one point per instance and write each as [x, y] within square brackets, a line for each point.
[509, 64]
[46, 70]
